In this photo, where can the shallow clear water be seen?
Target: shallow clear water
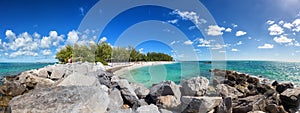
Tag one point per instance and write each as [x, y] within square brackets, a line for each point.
[7, 69]
[280, 71]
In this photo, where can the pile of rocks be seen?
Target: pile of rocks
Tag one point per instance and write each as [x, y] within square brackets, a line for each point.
[88, 88]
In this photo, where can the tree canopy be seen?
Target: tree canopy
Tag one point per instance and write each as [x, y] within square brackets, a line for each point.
[104, 53]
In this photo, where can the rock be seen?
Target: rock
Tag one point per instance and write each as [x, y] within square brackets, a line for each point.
[79, 79]
[275, 83]
[4, 100]
[282, 87]
[168, 102]
[57, 73]
[163, 89]
[256, 112]
[61, 99]
[128, 93]
[166, 111]
[230, 77]
[226, 106]
[190, 104]
[253, 80]
[148, 109]
[227, 91]
[216, 82]
[262, 88]
[121, 111]
[290, 99]
[230, 83]
[104, 79]
[116, 100]
[196, 86]
[140, 90]
[273, 108]
[251, 103]
[12, 88]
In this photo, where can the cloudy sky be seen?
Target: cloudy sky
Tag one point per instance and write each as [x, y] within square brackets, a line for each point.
[34, 30]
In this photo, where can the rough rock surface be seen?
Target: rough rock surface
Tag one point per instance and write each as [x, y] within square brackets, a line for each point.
[192, 104]
[148, 109]
[196, 86]
[251, 103]
[227, 91]
[163, 89]
[290, 99]
[61, 99]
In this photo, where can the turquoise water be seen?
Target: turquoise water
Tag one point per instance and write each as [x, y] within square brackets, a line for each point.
[7, 69]
[280, 71]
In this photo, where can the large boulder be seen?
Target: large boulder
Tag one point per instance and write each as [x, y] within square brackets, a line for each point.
[227, 91]
[116, 100]
[290, 99]
[273, 108]
[191, 104]
[196, 86]
[251, 103]
[61, 99]
[79, 79]
[140, 90]
[127, 92]
[148, 109]
[283, 86]
[225, 106]
[168, 102]
[163, 89]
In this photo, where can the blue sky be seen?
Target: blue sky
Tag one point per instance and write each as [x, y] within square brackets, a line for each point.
[33, 30]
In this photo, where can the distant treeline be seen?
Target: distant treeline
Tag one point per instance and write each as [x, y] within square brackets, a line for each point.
[104, 53]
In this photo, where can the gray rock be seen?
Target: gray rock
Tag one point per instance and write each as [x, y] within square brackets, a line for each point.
[273, 108]
[190, 104]
[148, 109]
[168, 102]
[251, 103]
[283, 86]
[290, 99]
[166, 111]
[256, 112]
[79, 79]
[226, 106]
[140, 90]
[57, 73]
[196, 86]
[127, 92]
[121, 111]
[62, 99]
[163, 89]
[227, 91]
[116, 100]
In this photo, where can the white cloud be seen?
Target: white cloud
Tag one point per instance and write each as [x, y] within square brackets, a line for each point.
[266, 46]
[173, 42]
[234, 25]
[186, 15]
[6, 54]
[239, 43]
[281, 22]
[228, 30]
[72, 37]
[204, 43]
[188, 42]
[141, 50]
[234, 50]
[36, 35]
[270, 22]
[296, 22]
[10, 35]
[45, 42]
[288, 25]
[219, 46]
[173, 21]
[240, 33]
[46, 52]
[23, 42]
[275, 30]
[103, 39]
[215, 30]
[282, 39]
[22, 53]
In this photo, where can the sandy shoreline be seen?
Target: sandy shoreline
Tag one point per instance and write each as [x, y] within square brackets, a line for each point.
[121, 68]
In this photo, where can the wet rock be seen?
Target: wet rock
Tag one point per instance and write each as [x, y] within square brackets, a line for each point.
[290, 99]
[283, 86]
[251, 103]
[148, 109]
[61, 99]
[196, 86]
[192, 104]
[163, 89]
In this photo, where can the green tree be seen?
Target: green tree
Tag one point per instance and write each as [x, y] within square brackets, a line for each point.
[64, 54]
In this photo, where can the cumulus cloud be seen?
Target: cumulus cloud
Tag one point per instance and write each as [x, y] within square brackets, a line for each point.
[296, 24]
[46, 52]
[188, 42]
[10, 35]
[215, 30]
[239, 43]
[234, 50]
[103, 39]
[72, 37]
[266, 46]
[281, 22]
[228, 30]
[24, 42]
[270, 22]
[288, 25]
[190, 15]
[282, 39]
[204, 43]
[234, 25]
[275, 30]
[22, 53]
[240, 33]
[173, 21]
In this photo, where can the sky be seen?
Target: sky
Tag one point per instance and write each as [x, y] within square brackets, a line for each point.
[34, 30]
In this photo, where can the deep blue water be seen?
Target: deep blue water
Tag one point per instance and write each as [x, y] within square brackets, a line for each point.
[7, 69]
[280, 71]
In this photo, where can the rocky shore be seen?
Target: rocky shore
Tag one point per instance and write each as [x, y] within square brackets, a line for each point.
[89, 88]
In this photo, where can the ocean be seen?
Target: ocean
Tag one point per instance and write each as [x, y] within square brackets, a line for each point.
[8, 69]
[280, 71]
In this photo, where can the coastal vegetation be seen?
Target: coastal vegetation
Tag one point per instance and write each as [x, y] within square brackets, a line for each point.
[104, 53]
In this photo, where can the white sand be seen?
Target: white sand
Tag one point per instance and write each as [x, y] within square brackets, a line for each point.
[134, 65]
